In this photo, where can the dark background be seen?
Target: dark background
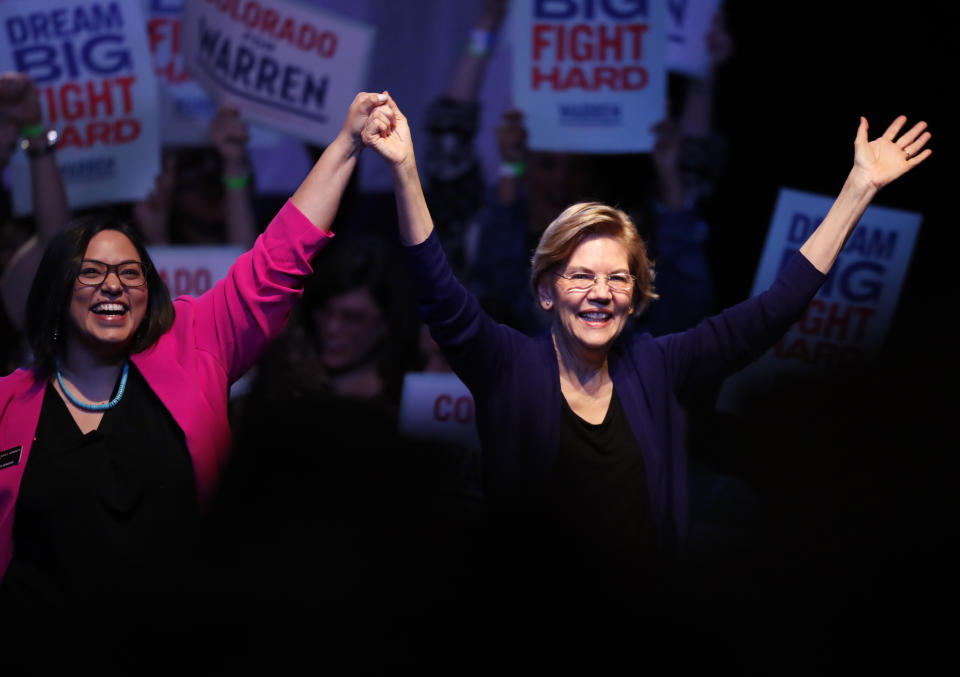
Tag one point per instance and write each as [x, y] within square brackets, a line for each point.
[857, 473]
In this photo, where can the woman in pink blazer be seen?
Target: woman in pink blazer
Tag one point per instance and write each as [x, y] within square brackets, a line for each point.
[112, 441]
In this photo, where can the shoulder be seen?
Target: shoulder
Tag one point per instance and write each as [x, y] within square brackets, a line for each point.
[16, 383]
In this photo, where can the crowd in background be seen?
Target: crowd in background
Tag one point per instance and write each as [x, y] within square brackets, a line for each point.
[355, 517]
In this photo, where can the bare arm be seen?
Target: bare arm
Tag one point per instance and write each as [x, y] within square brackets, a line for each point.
[388, 133]
[230, 136]
[20, 105]
[318, 196]
[876, 163]
[468, 75]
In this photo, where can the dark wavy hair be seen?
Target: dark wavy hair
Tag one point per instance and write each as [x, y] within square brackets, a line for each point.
[48, 305]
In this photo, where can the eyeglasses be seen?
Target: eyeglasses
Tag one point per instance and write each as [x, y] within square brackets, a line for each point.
[616, 282]
[130, 273]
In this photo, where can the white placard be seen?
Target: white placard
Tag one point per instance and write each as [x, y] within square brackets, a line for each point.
[285, 65]
[193, 269]
[589, 75]
[688, 22]
[91, 63]
[437, 406]
[846, 323]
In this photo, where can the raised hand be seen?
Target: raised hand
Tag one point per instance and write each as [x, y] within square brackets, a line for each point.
[19, 102]
[887, 157]
[512, 137]
[386, 131]
[359, 112]
[230, 135]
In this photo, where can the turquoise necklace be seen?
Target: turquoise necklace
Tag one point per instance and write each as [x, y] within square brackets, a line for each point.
[95, 407]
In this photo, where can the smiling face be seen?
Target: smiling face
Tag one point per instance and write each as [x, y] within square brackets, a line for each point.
[587, 322]
[105, 317]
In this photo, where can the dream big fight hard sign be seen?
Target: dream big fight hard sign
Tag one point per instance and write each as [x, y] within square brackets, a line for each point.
[589, 74]
[91, 64]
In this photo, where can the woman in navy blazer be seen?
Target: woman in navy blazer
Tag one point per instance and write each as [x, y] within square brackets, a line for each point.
[547, 407]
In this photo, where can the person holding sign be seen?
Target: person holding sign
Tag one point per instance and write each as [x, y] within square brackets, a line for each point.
[582, 447]
[20, 115]
[112, 441]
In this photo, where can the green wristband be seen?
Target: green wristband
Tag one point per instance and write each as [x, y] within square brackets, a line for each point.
[236, 182]
[30, 131]
[512, 170]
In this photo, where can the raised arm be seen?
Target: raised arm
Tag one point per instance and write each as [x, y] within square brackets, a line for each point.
[876, 163]
[243, 312]
[230, 136]
[20, 105]
[388, 133]
[319, 195]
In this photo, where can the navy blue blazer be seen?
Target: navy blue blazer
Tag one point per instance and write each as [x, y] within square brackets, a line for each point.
[515, 381]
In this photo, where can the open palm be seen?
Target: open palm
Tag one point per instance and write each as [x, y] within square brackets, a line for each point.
[887, 157]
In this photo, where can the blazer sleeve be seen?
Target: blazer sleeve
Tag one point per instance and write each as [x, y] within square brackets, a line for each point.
[476, 346]
[726, 342]
[242, 313]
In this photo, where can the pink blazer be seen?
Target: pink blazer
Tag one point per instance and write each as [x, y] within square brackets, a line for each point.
[215, 339]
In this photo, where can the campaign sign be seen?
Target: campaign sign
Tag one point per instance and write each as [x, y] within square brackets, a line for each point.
[91, 64]
[847, 321]
[284, 65]
[437, 406]
[688, 22]
[193, 269]
[186, 108]
[589, 75]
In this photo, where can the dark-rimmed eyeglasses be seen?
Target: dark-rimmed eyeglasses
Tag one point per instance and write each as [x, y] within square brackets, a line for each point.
[130, 273]
[582, 281]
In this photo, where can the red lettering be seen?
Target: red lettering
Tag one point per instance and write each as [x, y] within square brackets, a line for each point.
[835, 320]
[270, 19]
[181, 281]
[539, 42]
[286, 30]
[126, 130]
[154, 33]
[202, 281]
[108, 132]
[463, 409]
[72, 107]
[102, 98]
[581, 46]
[327, 45]
[607, 42]
[639, 78]
[446, 401]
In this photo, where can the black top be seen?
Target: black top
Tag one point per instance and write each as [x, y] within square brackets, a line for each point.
[103, 520]
[599, 513]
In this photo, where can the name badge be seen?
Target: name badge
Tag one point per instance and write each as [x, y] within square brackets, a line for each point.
[10, 457]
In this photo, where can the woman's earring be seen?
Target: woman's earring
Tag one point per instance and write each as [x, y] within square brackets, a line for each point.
[547, 304]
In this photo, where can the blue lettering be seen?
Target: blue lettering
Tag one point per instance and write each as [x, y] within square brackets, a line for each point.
[872, 242]
[315, 91]
[861, 281]
[16, 30]
[166, 6]
[106, 60]
[208, 39]
[678, 10]
[38, 61]
[589, 9]
[799, 228]
[290, 82]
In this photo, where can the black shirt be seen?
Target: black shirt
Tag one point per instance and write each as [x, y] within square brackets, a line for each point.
[104, 521]
[599, 516]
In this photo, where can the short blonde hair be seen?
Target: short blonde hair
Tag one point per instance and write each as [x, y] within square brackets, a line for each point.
[582, 220]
